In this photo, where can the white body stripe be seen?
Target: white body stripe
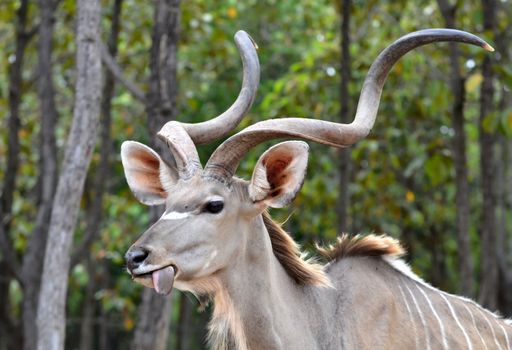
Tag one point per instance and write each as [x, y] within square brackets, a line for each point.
[416, 339]
[476, 327]
[506, 336]
[402, 267]
[470, 346]
[175, 215]
[441, 326]
[427, 336]
[492, 330]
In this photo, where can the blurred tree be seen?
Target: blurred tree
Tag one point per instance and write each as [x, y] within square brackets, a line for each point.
[503, 166]
[94, 209]
[184, 332]
[489, 266]
[10, 336]
[152, 330]
[51, 319]
[345, 117]
[465, 260]
[48, 173]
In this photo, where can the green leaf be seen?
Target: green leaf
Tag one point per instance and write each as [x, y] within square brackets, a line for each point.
[436, 170]
[491, 122]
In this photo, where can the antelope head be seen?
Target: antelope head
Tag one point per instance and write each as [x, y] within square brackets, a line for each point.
[209, 212]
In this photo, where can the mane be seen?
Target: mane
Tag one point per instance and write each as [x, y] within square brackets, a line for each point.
[287, 251]
[309, 271]
[363, 245]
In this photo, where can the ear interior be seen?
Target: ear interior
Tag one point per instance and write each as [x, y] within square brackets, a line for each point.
[279, 173]
[148, 176]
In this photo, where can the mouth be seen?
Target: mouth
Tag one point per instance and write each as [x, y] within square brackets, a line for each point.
[161, 279]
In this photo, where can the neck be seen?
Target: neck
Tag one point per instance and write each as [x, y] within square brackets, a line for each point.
[257, 302]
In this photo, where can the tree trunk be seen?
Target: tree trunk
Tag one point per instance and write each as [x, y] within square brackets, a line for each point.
[96, 208]
[103, 331]
[80, 144]
[506, 271]
[506, 266]
[34, 254]
[94, 216]
[505, 275]
[464, 260]
[153, 322]
[86, 327]
[152, 329]
[437, 271]
[489, 263]
[183, 332]
[103, 334]
[13, 121]
[503, 182]
[10, 332]
[9, 265]
[163, 84]
[344, 154]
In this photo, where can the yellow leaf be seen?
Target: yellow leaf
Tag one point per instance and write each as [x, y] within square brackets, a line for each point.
[398, 68]
[409, 196]
[232, 12]
[22, 134]
[509, 120]
[473, 82]
[128, 324]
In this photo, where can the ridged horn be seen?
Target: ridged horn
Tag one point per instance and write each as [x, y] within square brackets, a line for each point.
[182, 137]
[182, 148]
[224, 161]
[221, 125]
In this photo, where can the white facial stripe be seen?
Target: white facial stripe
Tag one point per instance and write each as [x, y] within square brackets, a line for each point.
[214, 198]
[175, 215]
[210, 259]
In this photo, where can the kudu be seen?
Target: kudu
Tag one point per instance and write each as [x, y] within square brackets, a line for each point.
[215, 238]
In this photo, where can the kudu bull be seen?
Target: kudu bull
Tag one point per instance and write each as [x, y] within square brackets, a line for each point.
[215, 238]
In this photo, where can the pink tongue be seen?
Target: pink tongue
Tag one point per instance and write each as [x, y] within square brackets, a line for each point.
[163, 280]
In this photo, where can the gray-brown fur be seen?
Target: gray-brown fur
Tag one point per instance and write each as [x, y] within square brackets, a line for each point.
[369, 294]
[363, 309]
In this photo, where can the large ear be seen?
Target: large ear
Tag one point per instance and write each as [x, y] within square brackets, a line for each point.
[279, 173]
[148, 176]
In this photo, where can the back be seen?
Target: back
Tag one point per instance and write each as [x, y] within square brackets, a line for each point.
[381, 304]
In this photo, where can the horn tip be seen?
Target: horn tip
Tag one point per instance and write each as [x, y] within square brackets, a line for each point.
[488, 47]
[243, 32]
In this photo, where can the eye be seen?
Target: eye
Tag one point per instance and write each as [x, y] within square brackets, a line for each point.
[214, 207]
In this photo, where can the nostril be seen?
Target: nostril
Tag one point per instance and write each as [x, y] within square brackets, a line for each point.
[139, 257]
[135, 257]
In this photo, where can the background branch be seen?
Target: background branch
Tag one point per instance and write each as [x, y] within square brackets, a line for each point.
[117, 72]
